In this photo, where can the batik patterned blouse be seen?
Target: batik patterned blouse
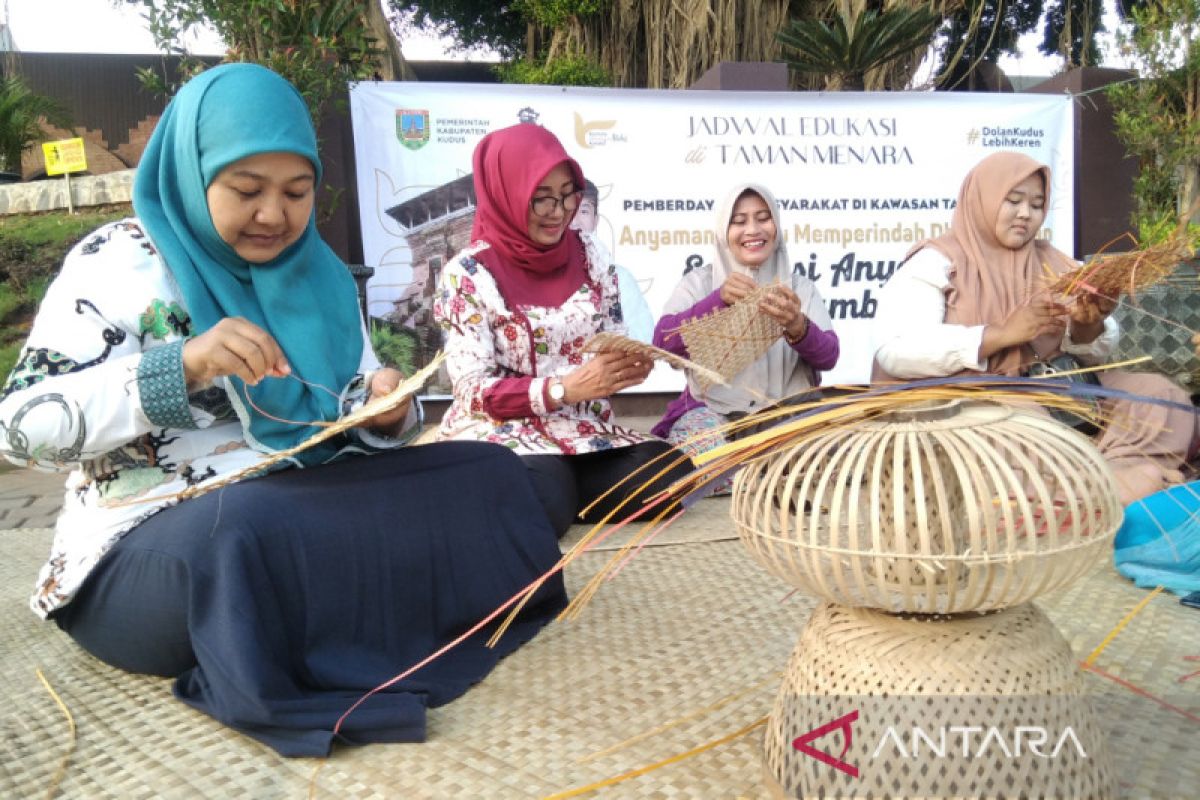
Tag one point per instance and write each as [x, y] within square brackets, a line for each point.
[501, 358]
[99, 391]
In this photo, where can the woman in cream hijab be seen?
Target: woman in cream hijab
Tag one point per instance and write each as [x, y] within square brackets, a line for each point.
[972, 301]
[748, 254]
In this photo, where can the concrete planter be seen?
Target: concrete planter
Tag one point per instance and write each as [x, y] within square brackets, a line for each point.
[51, 194]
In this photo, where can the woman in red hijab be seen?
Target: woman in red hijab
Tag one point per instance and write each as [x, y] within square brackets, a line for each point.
[517, 307]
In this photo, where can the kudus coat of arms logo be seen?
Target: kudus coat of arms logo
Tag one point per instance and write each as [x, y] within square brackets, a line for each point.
[412, 127]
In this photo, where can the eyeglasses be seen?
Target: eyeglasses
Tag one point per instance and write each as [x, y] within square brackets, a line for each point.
[547, 205]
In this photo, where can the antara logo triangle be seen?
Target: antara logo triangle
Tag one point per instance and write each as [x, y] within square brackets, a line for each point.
[843, 724]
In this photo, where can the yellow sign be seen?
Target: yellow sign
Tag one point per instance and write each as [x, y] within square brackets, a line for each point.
[65, 155]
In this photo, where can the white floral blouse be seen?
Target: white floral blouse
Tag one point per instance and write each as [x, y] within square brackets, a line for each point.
[500, 359]
[99, 392]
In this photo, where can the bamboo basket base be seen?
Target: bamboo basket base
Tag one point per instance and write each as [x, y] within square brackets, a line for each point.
[977, 705]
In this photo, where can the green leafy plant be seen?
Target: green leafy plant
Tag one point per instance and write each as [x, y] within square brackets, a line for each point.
[845, 50]
[32, 248]
[1156, 230]
[318, 45]
[21, 115]
[554, 13]
[1158, 117]
[563, 71]
[395, 348]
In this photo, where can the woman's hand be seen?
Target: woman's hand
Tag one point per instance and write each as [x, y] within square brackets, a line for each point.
[605, 374]
[234, 346]
[1088, 313]
[389, 423]
[736, 287]
[782, 305]
[1196, 342]
[1037, 317]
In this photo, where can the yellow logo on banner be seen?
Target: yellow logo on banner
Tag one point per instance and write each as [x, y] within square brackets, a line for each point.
[589, 134]
[65, 155]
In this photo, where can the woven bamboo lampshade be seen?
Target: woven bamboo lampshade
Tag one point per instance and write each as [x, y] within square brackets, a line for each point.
[939, 508]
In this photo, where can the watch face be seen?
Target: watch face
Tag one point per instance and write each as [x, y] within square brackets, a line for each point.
[558, 391]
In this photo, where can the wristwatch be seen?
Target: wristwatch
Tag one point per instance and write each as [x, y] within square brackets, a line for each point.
[557, 391]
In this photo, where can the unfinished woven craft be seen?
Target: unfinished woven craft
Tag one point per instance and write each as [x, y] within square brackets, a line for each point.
[1125, 273]
[729, 340]
[943, 508]
[982, 705]
[380, 405]
[608, 341]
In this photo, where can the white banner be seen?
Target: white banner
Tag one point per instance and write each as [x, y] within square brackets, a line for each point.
[860, 177]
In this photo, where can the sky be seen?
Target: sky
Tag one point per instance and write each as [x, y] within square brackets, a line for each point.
[102, 26]
[105, 26]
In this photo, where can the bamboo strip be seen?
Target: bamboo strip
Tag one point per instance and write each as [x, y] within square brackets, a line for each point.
[606, 340]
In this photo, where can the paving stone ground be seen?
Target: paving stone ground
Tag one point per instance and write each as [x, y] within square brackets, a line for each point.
[30, 499]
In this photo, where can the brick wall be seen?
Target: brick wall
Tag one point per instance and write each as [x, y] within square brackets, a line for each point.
[131, 151]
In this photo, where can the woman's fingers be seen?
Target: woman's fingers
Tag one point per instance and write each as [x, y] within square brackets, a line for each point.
[385, 381]
[781, 305]
[233, 346]
[256, 363]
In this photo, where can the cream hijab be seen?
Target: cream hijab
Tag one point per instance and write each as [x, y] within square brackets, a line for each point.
[779, 372]
[988, 280]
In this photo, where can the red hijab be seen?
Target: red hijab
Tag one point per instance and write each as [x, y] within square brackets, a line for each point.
[509, 165]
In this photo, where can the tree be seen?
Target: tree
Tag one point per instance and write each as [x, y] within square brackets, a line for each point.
[21, 115]
[318, 45]
[647, 44]
[856, 43]
[494, 24]
[979, 32]
[1158, 117]
[1071, 28]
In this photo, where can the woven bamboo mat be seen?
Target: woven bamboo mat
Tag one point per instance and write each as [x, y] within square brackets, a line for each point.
[685, 625]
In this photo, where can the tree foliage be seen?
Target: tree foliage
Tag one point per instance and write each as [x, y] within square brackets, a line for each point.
[494, 24]
[843, 51]
[1070, 31]
[318, 45]
[646, 44]
[979, 32]
[1158, 117]
[563, 71]
[666, 43]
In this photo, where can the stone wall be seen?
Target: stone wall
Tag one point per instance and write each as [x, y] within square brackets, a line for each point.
[51, 194]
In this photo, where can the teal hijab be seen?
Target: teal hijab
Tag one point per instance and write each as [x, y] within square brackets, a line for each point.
[305, 297]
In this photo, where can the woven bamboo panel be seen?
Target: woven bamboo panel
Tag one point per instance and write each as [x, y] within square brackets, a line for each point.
[959, 507]
[992, 696]
[729, 340]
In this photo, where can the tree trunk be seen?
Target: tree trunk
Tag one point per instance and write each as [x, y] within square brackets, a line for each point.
[392, 66]
[659, 44]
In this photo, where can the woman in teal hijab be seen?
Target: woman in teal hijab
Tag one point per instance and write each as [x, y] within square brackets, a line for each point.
[180, 347]
[295, 288]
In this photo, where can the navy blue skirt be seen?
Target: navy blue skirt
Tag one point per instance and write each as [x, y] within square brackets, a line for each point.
[279, 602]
